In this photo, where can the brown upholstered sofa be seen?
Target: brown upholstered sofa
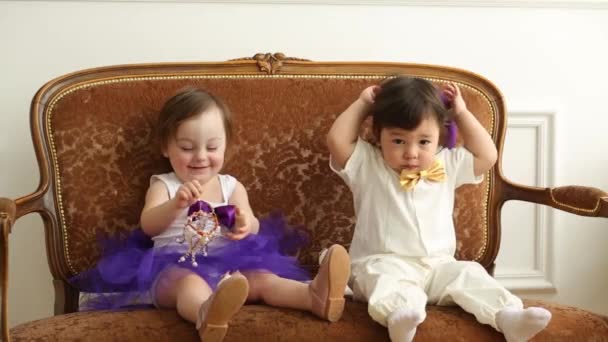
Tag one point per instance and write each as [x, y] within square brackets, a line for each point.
[92, 135]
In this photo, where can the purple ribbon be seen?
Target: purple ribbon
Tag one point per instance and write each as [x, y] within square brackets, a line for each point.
[226, 214]
[451, 136]
[450, 125]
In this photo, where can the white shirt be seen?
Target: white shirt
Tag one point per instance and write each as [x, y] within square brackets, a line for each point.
[416, 223]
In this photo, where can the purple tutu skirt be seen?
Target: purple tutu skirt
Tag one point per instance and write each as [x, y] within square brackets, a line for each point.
[129, 265]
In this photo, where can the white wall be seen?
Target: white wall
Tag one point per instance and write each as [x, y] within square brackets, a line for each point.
[545, 60]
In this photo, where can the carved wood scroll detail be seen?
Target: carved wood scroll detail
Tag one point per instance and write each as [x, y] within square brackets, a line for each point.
[270, 63]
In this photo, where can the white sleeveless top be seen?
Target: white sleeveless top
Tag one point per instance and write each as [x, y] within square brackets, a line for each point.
[175, 230]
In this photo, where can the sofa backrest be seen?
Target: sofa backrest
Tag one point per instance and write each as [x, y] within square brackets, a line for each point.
[93, 136]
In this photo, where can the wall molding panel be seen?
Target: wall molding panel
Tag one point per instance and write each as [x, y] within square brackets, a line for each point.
[538, 272]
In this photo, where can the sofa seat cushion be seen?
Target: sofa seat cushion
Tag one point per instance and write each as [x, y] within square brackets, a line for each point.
[263, 323]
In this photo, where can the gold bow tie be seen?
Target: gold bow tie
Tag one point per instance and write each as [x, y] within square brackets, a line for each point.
[435, 173]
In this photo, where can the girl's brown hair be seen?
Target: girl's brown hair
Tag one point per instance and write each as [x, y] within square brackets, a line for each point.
[188, 103]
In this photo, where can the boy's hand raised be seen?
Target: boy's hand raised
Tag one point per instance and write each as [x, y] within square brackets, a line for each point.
[368, 95]
[454, 96]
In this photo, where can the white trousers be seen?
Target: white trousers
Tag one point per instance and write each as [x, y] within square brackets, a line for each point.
[390, 282]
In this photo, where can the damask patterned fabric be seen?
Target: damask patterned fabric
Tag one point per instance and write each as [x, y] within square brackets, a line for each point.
[280, 325]
[105, 154]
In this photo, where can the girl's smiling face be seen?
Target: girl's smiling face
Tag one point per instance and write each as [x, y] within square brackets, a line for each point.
[196, 151]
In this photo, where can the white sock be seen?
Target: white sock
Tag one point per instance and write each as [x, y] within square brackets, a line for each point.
[519, 325]
[402, 324]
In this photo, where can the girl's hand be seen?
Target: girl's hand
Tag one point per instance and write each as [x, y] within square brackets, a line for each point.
[188, 193]
[454, 96]
[368, 95]
[242, 226]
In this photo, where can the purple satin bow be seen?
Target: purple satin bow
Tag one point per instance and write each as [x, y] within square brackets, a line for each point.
[451, 136]
[226, 214]
[450, 125]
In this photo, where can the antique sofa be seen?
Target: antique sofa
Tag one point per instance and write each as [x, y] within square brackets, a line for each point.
[92, 135]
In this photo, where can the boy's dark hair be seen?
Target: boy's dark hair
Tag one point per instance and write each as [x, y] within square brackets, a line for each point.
[403, 102]
[188, 103]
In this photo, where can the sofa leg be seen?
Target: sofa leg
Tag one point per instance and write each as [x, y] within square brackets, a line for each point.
[66, 297]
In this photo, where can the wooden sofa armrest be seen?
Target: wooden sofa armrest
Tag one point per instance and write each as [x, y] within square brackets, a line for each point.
[580, 200]
[8, 211]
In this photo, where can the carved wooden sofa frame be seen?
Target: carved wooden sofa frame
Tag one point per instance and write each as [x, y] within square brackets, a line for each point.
[92, 136]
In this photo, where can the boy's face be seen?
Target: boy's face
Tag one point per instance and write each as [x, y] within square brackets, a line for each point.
[410, 150]
[196, 152]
